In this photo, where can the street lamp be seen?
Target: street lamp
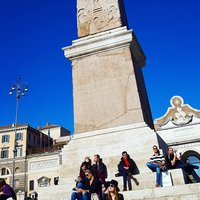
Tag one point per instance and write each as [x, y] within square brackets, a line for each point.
[21, 88]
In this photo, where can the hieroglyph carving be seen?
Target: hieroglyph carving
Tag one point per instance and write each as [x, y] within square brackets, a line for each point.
[97, 15]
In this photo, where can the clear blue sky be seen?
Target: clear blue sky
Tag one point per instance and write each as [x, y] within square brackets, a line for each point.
[32, 33]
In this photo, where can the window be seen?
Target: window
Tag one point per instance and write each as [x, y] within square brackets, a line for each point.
[56, 179]
[4, 153]
[5, 138]
[19, 136]
[193, 158]
[4, 171]
[31, 185]
[17, 170]
[18, 151]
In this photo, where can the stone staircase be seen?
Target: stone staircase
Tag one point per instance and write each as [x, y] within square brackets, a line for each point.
[137, 140]
[147, 180]
[143, 187]
[178, 192]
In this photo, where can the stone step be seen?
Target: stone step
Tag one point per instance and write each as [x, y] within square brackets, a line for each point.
[148, 180]
[179, 192]
[139, 181]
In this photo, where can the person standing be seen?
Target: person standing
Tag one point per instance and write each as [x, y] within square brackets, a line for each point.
[157, 164]
[126, 167]
[6, 191]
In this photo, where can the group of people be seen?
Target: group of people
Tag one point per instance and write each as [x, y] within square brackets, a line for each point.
[91, 184]
[159, 163]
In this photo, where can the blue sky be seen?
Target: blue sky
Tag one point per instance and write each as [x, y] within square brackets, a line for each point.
[32, 33]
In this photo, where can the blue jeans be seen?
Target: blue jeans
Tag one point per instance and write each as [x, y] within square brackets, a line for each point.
[188, 168]
[81, 196]
[157, 169]
[124, 173]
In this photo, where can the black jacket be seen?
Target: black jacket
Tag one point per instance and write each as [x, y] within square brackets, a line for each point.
[100, 168]
[132, 168]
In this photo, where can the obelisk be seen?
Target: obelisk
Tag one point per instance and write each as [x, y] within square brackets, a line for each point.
[111, 108]
[108, 85]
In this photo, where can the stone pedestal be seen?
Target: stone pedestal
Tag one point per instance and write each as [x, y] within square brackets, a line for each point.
[137, 139]
[108, 86]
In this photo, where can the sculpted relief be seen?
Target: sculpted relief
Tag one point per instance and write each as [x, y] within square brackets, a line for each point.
[97, 15]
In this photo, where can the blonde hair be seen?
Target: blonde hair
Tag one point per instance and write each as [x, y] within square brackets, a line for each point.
[116, 194]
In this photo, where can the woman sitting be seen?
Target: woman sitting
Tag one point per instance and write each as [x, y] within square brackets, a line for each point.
[91, 188]
[113, 191]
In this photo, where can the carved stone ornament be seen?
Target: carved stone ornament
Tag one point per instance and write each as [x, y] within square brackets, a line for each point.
[43, 181]
[179, 114]
[97, 15]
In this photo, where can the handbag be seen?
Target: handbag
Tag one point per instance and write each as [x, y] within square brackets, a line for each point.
[166, 179]
[94, 196]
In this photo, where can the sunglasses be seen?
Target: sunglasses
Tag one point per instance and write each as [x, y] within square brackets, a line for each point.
[155, 148]
[111, 185]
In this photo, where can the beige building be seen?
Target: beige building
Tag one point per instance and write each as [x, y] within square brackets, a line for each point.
[43, 164]
[24, 140]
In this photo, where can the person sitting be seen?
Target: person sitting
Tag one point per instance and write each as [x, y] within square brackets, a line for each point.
[91, 188]
[113, 192]
[99, 168]
[6, 191]
[79, 183]
[174, 162]
[89, 161]
[104, 189]
[157, 164]
[126, 167]
[83, 168]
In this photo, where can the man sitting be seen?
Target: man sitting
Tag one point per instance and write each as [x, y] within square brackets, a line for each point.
[157, 164]
[126, 167]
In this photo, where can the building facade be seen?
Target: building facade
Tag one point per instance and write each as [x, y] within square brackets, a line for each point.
[20, 139]
[179, 128]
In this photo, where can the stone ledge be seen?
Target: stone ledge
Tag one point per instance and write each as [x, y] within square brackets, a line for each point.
[106, 41]
[108, 131]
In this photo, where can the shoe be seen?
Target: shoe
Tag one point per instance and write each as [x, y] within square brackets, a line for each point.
[157, 185]
[125, 189]
[195, 166]
[117, 175]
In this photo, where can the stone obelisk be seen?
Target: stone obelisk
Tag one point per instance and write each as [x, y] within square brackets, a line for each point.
[111, 109]
[108, 85]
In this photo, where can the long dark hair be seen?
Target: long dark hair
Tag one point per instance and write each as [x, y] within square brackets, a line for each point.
[2, 183]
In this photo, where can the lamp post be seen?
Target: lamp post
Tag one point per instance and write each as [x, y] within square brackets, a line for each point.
[20, 88]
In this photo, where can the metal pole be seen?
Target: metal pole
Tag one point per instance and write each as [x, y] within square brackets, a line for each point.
[15, 134]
